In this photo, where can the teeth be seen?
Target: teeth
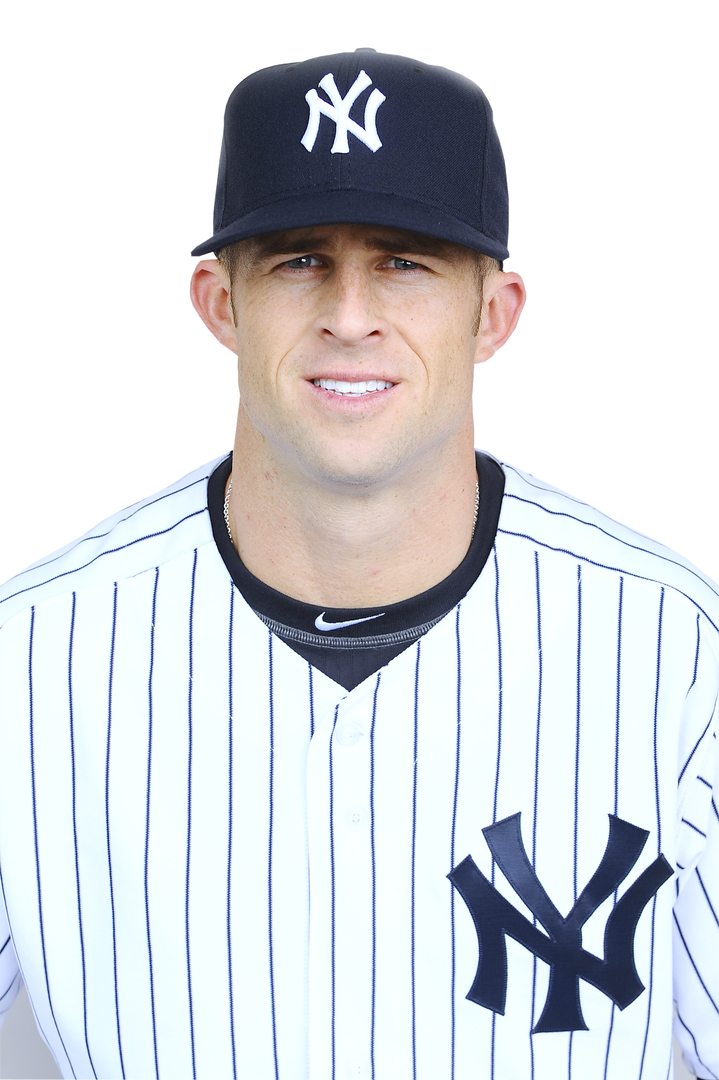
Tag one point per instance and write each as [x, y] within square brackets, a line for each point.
[354, 388]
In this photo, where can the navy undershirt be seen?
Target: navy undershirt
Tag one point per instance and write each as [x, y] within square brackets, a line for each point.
[349, 654]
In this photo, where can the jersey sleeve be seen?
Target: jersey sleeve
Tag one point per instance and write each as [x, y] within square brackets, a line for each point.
[696, 916]
[10, 978]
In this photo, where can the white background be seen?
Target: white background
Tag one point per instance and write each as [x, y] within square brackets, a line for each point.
[111, 388]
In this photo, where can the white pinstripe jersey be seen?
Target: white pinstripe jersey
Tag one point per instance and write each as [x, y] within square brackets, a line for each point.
[217, 862]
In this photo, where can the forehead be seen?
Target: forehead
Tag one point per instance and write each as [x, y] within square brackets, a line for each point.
[331, 238]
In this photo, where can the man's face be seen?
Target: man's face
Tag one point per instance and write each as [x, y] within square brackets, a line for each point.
[356, 347]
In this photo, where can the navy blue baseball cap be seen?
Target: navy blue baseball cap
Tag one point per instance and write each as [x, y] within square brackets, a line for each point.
[364, 138]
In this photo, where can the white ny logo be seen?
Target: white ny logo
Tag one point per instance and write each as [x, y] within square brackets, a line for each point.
[339, 111]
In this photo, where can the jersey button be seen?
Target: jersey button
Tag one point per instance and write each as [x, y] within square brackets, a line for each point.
[356, 818]
[348, 734]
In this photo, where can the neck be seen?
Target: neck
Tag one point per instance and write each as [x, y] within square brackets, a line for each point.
[364, 546]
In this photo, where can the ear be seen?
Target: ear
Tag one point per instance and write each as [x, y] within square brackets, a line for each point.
[502, 302]
[210, 294]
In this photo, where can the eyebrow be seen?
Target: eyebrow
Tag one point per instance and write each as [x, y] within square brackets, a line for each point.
[394, 242]
[414, 243]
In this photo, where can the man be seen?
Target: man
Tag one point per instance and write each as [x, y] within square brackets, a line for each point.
[292, 750]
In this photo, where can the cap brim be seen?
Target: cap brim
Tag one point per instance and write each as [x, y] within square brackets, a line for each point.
[357, 208]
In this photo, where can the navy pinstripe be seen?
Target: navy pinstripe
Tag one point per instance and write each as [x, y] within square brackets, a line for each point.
[616, 776]
[612, 536]
[35, 829]
[147, 814]
[15, 978]
[109, 551]
[333, 897]
[414, 853]
[696, 656]
[614, 569]
[577, 731]
[536, 788]
[454, 830]
[531, 481]
[650, 988]
[190, 702]
[575, 851]
[694, 827]
[270, 837]
[619, 693]
[17, 974]
[107, 822]
[706, 896]
[99, 536]
[230, 765]
[656, 720]
[373, 1003]
[696, 746]
[74, 827]
[696, 1048]
[500, 696]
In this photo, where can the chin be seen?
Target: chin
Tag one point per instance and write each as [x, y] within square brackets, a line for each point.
[341, 467]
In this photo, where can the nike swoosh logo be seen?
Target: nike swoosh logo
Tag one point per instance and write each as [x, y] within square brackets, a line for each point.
[322, 625]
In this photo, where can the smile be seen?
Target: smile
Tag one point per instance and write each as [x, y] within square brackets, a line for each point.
[353, 388]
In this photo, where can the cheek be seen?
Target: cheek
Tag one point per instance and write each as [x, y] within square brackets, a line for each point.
[269, 335]
[255, 367]
[443, 325]
[450, 353]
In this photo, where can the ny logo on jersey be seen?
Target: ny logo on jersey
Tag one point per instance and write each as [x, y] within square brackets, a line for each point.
[339, 111]
[494, 917]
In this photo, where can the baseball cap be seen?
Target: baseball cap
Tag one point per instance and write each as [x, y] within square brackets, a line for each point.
[364, 138]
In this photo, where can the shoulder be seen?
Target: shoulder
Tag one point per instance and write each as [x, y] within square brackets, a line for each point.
[150, 532]
[536, 513]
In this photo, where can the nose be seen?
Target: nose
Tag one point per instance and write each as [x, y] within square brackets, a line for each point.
[349, 314]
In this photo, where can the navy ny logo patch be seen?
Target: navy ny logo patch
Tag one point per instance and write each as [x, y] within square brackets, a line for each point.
[561, 947]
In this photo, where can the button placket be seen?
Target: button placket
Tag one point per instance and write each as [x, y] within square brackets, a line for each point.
[341, 883]
[353, 877]
[348, 734]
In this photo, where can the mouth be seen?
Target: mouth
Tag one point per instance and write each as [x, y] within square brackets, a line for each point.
[353, 389]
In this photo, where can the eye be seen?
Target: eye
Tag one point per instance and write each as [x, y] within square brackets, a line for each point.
[403, 264]
[302, 262]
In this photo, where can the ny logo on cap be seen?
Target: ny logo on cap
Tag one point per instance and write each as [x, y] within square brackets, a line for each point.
[339, 111]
